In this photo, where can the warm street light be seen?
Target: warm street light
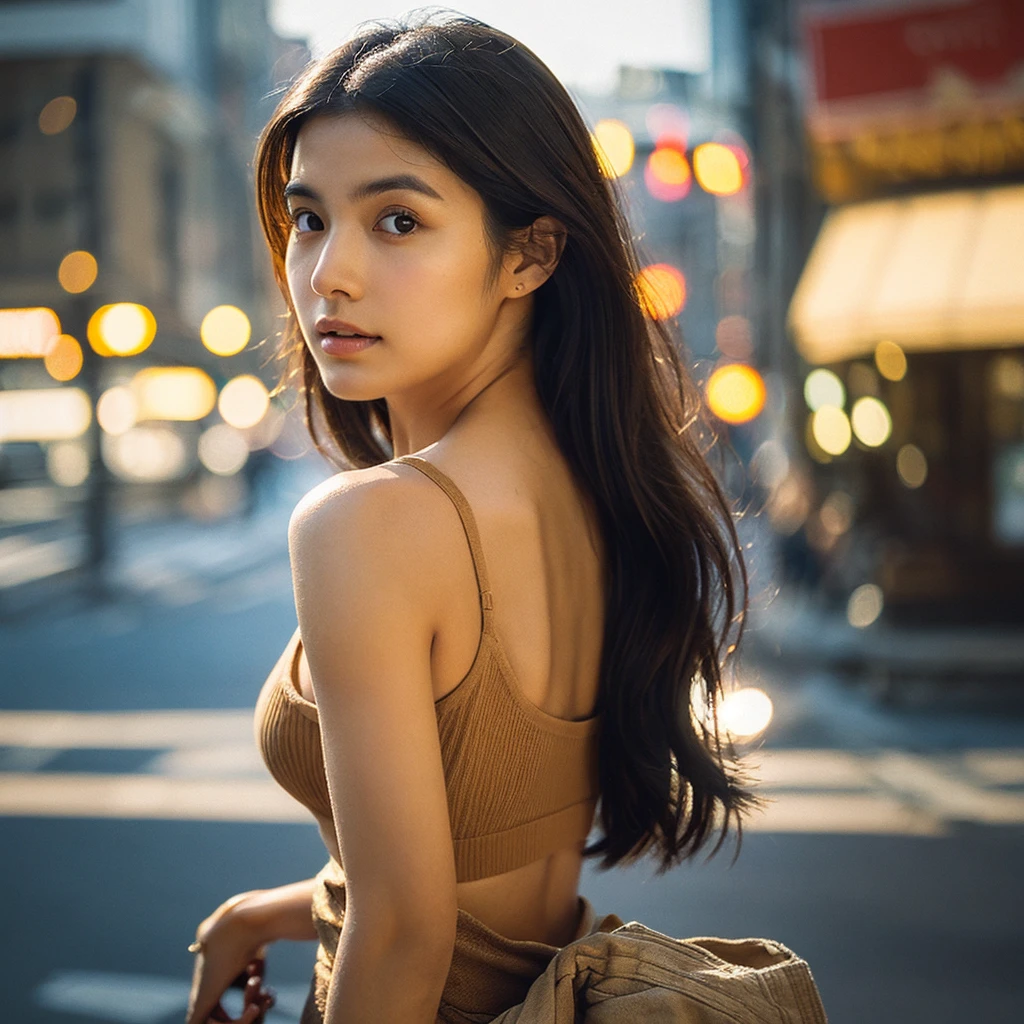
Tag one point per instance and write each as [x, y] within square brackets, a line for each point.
[44, 414]
[121, 329]
[77, 271]
[613, 143]
[183, 393]
[871, 421]
[736, 393]
[57, 115]
[831, 430]
[717, 169]
[27, 333]
[243, 401]
[64, 359]
[667, 173]
[662, 290]
[822, 387]
[225, 330]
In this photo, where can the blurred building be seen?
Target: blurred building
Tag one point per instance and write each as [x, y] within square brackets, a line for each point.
[891, 292]
[126, 136]
[684, 171]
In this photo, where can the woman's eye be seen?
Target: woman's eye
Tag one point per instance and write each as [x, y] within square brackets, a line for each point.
[307, 221]
[404, 223]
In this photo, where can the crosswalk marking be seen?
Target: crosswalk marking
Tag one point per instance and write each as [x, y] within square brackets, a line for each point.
[117, 730]
[205, 767]
[90, 795]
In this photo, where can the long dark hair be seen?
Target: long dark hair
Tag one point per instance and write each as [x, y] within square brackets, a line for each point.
[626, 414]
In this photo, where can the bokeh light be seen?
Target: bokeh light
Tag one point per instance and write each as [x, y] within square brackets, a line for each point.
[77, 271]
[150, 454]
[243, 401]
[823, 387]
[746, 713]
[864, 606]
[27, 333]
[44, 414]
[613, 143]
[736, 393]
[121, 329]
[67, 463]
[733, 337]
[57, 115]
[912, 466]
[223, 450]
[871, 421]
[225, 330]
[183, 393]
[789, 504]
[891, 360]
[836, 513]
[117, 410]
[662, 290]
[831, 430]
[63, 361]
[667, 174]
[717, 169]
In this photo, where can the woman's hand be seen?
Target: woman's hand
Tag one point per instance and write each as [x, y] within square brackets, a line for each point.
[230, 949]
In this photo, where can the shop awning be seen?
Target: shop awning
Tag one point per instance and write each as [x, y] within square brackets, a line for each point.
[929, 272]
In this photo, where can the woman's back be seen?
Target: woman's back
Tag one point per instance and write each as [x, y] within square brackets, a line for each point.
[544, 558]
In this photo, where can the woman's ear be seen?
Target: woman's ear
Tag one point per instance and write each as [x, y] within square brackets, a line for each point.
[539, 251]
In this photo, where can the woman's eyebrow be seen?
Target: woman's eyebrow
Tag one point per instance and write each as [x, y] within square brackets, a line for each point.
[392, 183]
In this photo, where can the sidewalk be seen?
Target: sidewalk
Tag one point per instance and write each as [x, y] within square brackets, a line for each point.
[796, 629]
[173, 559]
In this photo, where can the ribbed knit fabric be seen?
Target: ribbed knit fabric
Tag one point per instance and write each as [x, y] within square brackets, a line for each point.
[521, 783]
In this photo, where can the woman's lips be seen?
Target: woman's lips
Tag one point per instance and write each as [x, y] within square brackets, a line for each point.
[334, 345]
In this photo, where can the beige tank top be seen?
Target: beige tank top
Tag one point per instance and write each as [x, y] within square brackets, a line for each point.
[520, 783]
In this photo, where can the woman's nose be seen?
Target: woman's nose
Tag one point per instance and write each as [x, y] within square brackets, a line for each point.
[338, 267]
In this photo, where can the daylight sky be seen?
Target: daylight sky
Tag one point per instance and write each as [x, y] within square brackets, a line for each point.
[582, 41]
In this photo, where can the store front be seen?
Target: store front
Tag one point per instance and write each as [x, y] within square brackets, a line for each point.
[916, 305]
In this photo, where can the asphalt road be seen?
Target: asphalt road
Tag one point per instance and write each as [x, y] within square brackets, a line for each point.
[890, 858]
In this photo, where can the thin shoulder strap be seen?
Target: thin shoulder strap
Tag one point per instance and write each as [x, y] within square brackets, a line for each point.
[458, 499]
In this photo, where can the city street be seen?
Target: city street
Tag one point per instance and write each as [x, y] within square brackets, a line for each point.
[774, 244]
[133, 802]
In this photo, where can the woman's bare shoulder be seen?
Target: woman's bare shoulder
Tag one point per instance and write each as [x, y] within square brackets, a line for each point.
[385, 518]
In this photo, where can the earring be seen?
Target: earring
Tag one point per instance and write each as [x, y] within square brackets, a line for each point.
[518, 286]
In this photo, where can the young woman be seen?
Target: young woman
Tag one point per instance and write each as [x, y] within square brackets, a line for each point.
[526, 569]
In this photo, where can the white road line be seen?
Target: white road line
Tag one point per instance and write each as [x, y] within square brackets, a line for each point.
[818, 769]
[847, 813]
[1001, 767]
[86, 795]
[25, 562]
[206, 767]
[124, 729]
[945, 794]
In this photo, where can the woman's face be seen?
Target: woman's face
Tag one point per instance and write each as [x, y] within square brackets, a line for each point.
[387, 242]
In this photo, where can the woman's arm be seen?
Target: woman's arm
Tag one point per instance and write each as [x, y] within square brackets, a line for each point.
[281, 913]
[236, 934]
[368, 559]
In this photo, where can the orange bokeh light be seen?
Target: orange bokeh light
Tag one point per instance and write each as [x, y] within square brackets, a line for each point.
[667, 174]
[718, 168]
[736, 393]
[662, 290]
[64, 360]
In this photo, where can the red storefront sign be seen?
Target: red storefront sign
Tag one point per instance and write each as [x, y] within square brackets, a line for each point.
[919, 63]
